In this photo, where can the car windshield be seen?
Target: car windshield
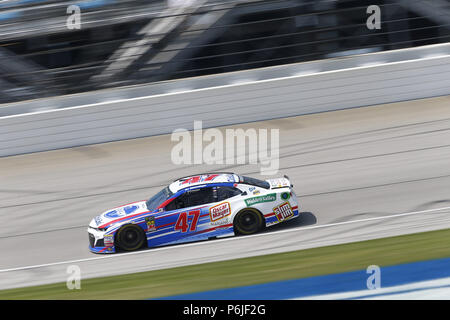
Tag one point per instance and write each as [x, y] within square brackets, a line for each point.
[155, 201]
[255, 182]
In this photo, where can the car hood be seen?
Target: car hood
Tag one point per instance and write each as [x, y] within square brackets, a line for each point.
[119, 214]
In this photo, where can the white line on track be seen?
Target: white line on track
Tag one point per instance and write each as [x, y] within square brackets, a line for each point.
[225, 239]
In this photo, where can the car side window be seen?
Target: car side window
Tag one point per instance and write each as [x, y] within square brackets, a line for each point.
[192, 198]
[199, 197]
[223, 193]
[177, 203]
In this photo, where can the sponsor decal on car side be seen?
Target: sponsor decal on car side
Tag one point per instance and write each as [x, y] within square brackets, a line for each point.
[108, 240]
[151, 226]
[222, 222]
[219, 212]
[283, 211]
[285, 195]
[266, 198]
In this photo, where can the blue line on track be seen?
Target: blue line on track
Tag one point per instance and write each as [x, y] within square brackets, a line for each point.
[327, 284]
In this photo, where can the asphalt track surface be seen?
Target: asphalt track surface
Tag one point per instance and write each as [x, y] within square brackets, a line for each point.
[359, 174]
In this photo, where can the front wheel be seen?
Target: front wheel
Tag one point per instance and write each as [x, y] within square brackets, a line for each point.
[130, 237]
[248, 221]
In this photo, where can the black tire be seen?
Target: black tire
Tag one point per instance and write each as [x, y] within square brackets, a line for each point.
[248, 221]
[130, 237]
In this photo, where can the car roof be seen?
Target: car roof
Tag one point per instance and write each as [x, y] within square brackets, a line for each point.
[203, 179]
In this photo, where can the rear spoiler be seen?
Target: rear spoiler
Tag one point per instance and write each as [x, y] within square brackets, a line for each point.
[285, 176]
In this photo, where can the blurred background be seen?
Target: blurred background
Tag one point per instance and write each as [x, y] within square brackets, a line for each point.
[127, 42]
[361, 173]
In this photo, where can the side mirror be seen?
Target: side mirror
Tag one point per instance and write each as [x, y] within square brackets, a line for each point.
[244, 193]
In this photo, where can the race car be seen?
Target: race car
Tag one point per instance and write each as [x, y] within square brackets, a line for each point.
[193, 208]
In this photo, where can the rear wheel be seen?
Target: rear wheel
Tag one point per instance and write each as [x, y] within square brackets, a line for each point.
[248, 221]
[130, 237]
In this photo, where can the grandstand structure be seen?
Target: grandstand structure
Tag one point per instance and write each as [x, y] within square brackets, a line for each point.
[131, 42]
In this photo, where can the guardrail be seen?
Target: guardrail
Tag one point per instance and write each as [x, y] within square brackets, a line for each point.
[247, 96]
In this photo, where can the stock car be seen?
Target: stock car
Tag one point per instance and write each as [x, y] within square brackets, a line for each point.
[199, 207]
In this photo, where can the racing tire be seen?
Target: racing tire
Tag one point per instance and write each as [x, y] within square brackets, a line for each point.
[130, 237]
[248, 221]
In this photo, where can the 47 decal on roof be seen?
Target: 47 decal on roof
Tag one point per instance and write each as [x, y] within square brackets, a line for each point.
[200, 178]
